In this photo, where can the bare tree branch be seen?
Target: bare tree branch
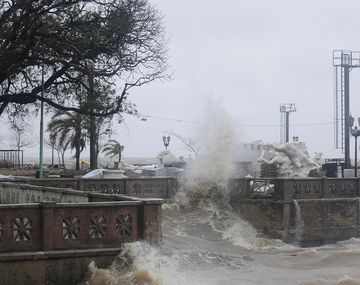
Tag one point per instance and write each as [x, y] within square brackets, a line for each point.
[189, 143]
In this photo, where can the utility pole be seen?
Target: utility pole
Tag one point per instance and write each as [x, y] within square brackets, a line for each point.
[285, 110]
[41, 150]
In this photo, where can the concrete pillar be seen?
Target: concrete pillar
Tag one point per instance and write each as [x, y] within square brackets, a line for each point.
[48, 238]
[286, 221]
[171, 191]
[325, 188]
[285, 189]
[150, 216]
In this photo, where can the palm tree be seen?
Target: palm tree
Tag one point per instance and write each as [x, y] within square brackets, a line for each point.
[113, 148]
[66, 128]
[60, 148]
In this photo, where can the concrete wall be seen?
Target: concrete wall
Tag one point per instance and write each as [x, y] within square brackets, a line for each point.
[53, 241]
[324, 221]
[52, 268]
[307, 211]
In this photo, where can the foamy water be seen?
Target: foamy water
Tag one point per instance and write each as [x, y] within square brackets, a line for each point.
[205, 244]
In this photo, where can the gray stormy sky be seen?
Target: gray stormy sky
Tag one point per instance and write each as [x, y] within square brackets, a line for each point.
[254, 54]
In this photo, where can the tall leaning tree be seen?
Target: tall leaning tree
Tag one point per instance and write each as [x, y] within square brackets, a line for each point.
[66, 128]
[113, 148]
[76, 49]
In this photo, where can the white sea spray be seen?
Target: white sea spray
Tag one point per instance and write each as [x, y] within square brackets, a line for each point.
[214, 165]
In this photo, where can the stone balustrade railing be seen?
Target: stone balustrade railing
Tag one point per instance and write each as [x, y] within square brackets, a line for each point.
[287, 189]
[15, 193]
[140, 187]
[50, 235]
[31, 216]
[284, 189]
[62, 226]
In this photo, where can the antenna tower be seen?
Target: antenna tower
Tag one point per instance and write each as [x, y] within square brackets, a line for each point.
[285, 110]
[343, 61]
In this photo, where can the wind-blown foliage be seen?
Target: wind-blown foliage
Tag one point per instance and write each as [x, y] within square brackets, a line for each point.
[113, 148]
[76, 44]
[60, 148]
[67, 129]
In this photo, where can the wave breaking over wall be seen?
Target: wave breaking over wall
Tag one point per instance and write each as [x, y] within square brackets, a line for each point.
[210, 172]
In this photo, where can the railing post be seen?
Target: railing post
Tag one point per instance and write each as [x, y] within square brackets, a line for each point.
[325, 188]
[170, 193]
[81, 183]
[285, 188]
[150, 215]
[48, 228]
[126, 187]
[245, 188]
[78, 184]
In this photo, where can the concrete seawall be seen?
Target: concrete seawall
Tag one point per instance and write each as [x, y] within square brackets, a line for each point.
[308, 211]
[52, 240]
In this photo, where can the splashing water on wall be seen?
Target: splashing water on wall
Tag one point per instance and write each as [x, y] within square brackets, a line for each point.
[299, 226]
[209, 174]
[135, 265]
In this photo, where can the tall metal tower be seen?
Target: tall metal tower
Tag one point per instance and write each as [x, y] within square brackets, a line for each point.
[343, 61]
[285, 110]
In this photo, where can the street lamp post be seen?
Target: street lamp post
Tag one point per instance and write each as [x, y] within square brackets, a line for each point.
[166, 140]
[41, 151]
[355, 132]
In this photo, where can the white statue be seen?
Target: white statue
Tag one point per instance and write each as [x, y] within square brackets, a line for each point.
[292, 159]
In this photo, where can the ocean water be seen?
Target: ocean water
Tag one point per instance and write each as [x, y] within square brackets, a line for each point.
[205, 243]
